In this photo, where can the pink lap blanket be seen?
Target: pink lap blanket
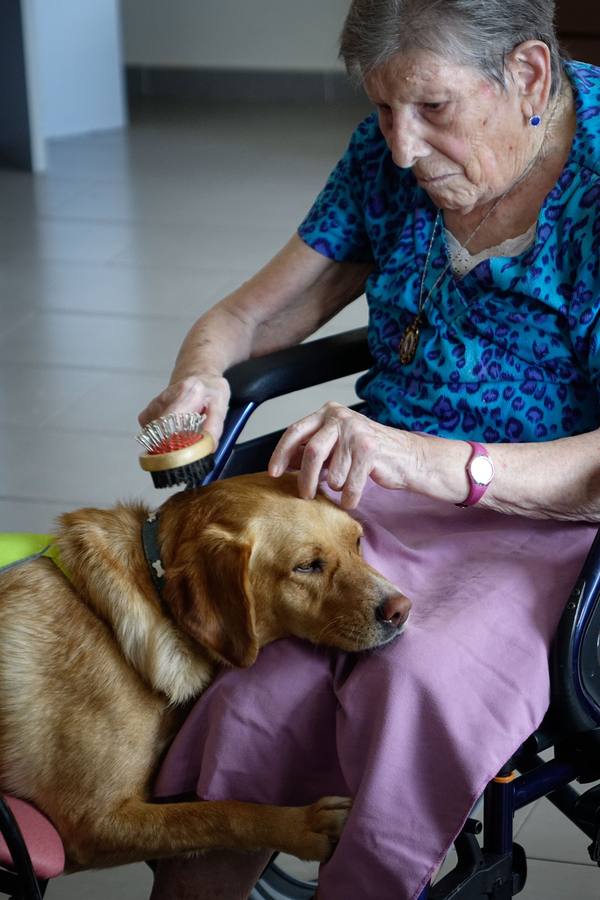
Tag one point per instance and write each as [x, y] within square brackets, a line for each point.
[415, 730]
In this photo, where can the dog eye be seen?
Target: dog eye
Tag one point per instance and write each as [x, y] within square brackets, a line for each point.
[308, 568]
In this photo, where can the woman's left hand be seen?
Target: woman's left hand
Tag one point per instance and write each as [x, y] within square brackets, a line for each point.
[349, 446]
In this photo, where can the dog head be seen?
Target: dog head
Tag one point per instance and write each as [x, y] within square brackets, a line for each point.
[249, 562]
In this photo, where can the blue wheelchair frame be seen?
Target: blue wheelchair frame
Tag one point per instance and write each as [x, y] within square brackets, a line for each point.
[496, 868]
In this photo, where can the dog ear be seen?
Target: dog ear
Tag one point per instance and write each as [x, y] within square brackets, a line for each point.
[210, 597]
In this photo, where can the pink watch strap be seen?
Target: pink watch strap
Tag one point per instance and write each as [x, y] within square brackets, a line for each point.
[477, 488]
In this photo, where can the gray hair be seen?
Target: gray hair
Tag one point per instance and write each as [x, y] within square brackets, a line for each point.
[477, 33]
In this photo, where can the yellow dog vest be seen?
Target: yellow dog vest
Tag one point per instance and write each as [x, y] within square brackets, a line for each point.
[17, 548]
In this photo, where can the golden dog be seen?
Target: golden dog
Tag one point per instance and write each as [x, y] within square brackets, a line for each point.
[97, 671]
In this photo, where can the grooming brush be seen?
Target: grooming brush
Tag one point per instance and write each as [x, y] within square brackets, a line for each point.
[177, 450]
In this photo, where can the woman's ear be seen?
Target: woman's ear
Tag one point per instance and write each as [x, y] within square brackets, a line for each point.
[529, 66]
[210, 597]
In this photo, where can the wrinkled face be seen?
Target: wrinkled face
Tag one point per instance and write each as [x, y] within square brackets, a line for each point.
[308, 578]
[465, 138]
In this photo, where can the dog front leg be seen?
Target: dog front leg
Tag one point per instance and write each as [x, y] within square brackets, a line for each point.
[138, 830]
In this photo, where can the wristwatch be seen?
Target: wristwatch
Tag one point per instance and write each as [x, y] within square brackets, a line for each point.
[480, 471]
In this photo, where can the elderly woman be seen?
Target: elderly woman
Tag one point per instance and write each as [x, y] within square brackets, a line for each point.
[467, 210]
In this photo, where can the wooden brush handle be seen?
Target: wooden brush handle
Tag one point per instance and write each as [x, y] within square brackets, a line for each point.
[160, 462]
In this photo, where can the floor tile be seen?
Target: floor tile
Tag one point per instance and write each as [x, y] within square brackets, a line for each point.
[204, 201]
[549, 835]
[95, 342]
[202, 246]
[56, 239]
[72, 468]
[115, 289]
[103, 155]
[110, 406]
[46, 195]
[14, 314]
[561, 881]
[298, 868]
[121, 883]
[33, 395]
[546, 881]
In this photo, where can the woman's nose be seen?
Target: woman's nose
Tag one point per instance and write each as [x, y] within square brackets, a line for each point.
[405, 140]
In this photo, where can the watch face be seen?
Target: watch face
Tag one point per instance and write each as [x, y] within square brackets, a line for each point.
[482, 470]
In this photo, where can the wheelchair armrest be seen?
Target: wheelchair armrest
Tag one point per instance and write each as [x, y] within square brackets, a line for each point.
[265, 377]
[575, 663]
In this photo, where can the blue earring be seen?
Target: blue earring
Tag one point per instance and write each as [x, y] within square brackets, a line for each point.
[535, 121]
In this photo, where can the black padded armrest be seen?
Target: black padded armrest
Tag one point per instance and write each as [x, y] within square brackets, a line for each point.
[256, 380]
[316, 362]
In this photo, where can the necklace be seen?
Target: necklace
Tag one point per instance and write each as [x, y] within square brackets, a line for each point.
[409, 341]
[410, 336]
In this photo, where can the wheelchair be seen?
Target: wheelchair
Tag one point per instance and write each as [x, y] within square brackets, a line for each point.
[489, 864]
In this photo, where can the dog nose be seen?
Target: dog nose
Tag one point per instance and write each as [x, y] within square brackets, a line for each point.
[393, 611]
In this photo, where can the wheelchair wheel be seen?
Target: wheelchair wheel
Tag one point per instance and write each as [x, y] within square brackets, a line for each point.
[277, 884]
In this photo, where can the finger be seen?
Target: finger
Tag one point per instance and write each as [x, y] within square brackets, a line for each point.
[157, 407]
[180, 397]
[170, 400]
[316, 454]
[290, 446]
[295, 461]
[339, 465]
[146, 415]
[215, 420]
[355, 483]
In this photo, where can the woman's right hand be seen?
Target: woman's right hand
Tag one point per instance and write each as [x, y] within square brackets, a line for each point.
[194, 393]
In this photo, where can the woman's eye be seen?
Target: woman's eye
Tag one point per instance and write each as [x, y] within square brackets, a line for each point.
[432, 107]
[308, 568]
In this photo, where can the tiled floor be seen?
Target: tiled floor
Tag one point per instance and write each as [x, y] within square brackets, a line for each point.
[104, 263]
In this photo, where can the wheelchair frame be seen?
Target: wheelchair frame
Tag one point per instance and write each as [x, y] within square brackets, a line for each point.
[496, 869]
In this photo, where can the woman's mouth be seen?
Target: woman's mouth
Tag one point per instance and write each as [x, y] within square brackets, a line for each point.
[434, 179]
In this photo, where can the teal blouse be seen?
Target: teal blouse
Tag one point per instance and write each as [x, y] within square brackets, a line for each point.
[509, 352]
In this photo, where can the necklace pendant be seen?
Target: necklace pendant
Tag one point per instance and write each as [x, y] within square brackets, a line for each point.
[409, 341]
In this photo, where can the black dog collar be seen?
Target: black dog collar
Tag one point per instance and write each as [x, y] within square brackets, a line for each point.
[151, 547]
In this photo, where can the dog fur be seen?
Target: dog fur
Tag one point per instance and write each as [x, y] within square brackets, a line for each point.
[98, 671]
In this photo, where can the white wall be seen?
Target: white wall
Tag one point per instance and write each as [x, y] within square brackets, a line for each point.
[79, 65]
[297, 35]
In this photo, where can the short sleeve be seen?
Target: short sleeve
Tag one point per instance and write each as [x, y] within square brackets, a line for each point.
[335, 226]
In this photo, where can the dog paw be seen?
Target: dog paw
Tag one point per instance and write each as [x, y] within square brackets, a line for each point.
[324, 822]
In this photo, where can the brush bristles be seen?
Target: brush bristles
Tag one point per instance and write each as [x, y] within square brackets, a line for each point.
[192, 474]
[171, 432]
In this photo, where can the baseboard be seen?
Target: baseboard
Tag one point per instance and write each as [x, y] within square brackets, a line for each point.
[248, 85]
